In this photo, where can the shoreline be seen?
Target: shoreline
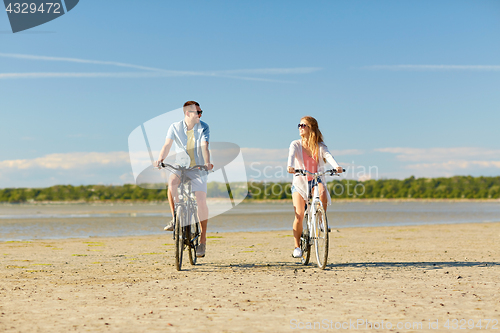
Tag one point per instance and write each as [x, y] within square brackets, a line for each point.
[54, 221]
[250, 282]
[256, 201]
[334, 229]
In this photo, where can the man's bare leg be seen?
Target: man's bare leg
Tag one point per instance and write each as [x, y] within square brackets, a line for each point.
[171, 202]
[173, 184]
[201, 199]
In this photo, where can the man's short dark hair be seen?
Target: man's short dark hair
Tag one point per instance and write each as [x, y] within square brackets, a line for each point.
[188, 103]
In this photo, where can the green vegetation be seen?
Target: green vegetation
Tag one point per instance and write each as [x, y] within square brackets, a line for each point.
[269, 191]
[89, 193]
[457, 187]
[422, 188]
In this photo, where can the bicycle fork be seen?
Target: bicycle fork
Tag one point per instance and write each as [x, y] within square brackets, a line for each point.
[314, 207]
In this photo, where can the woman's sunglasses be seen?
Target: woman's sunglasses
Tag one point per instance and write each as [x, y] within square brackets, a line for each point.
[302, 126]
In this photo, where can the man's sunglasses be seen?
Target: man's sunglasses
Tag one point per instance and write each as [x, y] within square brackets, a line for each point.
[199, 112]
[302, 125]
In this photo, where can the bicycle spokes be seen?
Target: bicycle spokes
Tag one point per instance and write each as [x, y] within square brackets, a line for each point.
[321, 238]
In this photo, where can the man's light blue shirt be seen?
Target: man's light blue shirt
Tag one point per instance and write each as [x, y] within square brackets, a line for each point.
[177, 132]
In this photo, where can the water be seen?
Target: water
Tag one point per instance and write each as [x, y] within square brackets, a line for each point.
[27, 222]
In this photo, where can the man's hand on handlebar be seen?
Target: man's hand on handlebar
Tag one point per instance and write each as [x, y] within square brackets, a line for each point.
[159, 165]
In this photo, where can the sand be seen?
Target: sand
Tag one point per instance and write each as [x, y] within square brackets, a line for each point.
[417, 277]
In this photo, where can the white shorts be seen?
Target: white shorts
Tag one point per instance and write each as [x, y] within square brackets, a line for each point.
[198, 179]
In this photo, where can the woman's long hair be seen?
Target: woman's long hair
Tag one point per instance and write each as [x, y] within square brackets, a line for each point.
[315, 136]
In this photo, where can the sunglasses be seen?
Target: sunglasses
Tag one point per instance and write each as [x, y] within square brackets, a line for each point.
[199, 112]
[302, 125]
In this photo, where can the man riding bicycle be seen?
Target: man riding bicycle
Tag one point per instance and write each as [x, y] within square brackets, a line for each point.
[191, 137]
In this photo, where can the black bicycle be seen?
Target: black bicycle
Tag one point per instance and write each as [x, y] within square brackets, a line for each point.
[187, 230]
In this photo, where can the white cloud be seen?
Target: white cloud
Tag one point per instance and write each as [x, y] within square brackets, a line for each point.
[75, 60]
[363, 178]
[128, 75]
[114, 167]
[67, 161]
[44, 75]
[66, 168]
[298, 70]
[127, 178]
[150, 71]
[447, 162]
[435, 67]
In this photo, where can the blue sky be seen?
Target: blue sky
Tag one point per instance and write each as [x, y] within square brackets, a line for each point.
[408, 87]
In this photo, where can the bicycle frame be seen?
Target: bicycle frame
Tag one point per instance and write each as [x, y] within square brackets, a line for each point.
[187, 199]
[313, 200]
[187, 231]
[185, 195]
[313, 203]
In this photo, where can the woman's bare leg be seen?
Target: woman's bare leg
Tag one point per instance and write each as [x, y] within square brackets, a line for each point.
[298, 207]
[322, 195]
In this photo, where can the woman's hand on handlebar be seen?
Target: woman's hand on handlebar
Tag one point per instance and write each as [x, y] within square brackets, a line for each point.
[291, 169]
[209, 166]
[157, 164]
[339, 169]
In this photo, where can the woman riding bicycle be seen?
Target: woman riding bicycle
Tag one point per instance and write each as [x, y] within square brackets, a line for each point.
[307, 153]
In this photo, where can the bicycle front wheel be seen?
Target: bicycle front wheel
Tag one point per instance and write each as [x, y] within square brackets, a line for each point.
[193, 232]
[321, 238]
[179, 236]
[305, 242]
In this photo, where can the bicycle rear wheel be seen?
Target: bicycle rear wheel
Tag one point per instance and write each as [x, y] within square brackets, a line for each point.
[305, 244]
[321, 238]
[194, 239]
[179, 236]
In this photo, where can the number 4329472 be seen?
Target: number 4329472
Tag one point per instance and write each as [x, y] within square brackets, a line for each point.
[463, 324]
[27, 8]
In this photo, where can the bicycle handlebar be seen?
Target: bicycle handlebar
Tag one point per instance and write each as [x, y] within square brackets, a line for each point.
[301, 172]
[179, 168]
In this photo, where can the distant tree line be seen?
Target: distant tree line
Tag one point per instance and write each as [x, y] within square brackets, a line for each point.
[419, 188]
[87, 193]
[458, 187]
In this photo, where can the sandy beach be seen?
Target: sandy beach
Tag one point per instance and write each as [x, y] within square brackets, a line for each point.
[415, 278]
